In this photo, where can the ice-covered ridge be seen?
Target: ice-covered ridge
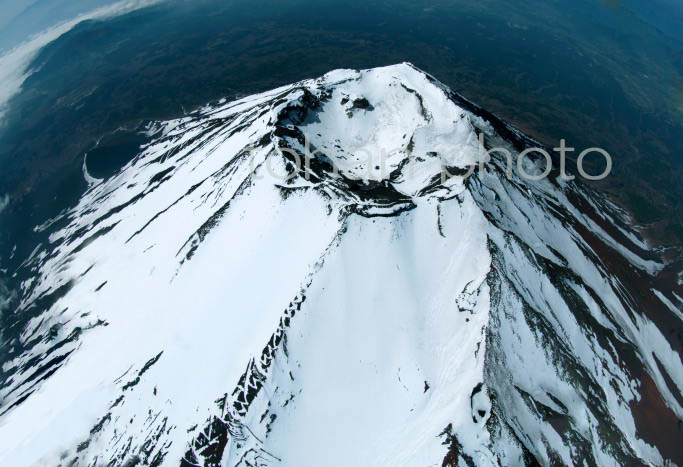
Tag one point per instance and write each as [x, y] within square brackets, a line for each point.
[371, 126]
[194, 309]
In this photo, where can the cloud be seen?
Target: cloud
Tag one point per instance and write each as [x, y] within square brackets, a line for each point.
[14, 63]
[4, 202]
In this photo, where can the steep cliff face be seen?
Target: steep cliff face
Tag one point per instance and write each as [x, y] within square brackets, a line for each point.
[335, 273]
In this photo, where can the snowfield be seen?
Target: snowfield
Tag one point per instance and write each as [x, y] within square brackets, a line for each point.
[195, 309]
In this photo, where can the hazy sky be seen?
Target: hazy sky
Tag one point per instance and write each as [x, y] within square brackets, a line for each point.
[10, 9]
[20, 19]
[35, 24]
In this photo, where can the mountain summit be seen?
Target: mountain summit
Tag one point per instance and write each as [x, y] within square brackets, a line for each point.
[330, 274]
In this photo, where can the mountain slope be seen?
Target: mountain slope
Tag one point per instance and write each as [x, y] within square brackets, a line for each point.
[221, 302]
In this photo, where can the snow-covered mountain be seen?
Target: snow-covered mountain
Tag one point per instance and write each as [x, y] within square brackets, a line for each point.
[202, 308]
